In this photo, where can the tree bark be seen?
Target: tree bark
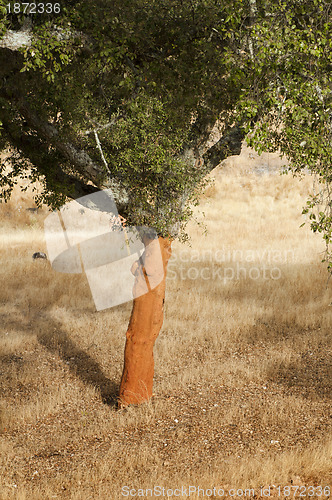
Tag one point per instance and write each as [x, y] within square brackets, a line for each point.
[229, 144]
[145, 323]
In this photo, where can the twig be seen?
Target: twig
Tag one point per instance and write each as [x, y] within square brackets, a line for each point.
[101, 151]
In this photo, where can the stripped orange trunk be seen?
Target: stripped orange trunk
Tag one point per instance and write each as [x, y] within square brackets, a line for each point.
[144, 326]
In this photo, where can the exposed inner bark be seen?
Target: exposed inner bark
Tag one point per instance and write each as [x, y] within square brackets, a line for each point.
[145, 323]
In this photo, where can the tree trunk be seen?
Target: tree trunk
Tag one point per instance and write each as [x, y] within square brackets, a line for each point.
[145, 323]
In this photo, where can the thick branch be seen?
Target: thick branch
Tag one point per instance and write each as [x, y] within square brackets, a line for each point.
[15, 40]
[82, 162]
[199, 133]
[33, 149]
[198, 137]
[47, 131]
[79, 159]
[229, 144]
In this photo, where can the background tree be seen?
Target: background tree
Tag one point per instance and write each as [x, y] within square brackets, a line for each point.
[125, 94]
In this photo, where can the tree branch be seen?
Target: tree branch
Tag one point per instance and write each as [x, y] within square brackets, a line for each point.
[253, 14]
[201, 130]
[83, 163]
[15, 40]
[31, 148]
[198, 137]
[79, 158]
[229, 144]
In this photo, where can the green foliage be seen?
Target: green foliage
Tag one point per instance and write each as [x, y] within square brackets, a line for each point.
[141, 72]
[287, 105]
[48, 54]
[150, 68]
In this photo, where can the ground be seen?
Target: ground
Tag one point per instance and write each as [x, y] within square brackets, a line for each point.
[242, 365]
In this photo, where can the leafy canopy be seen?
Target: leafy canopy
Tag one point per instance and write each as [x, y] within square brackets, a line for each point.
[138, 86]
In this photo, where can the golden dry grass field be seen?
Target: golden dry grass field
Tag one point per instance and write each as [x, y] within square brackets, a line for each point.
[242, 364]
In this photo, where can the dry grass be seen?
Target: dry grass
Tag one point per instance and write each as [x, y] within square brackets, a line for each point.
[243, 366]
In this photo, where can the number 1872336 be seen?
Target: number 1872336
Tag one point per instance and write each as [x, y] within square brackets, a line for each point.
[33, 8]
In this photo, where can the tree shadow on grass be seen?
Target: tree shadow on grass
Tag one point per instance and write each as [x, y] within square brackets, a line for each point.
[312, 377]
[308, 367]
[81, 364]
